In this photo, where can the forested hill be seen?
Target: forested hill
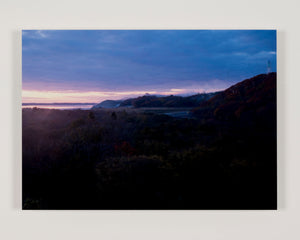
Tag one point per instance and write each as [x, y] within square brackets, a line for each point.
[108, 104]
[168, 101]
[247, 100]
[158, 101]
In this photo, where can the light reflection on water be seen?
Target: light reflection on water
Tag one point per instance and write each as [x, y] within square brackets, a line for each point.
[61, 107]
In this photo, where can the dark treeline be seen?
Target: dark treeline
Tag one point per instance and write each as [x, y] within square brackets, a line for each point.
[127, 159]
[167, 101]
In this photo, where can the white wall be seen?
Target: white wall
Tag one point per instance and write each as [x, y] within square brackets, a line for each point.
[151, 14]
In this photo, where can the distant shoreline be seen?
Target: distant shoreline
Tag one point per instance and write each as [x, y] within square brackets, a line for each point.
[59, 106]
[41, 104]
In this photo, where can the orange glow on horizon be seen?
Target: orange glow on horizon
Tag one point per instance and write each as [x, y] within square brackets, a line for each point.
[35, 96]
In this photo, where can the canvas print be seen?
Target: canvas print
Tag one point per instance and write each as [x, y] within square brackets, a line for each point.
[149, 119]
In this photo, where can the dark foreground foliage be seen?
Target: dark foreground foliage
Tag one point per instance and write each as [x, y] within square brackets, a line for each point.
[117, 159]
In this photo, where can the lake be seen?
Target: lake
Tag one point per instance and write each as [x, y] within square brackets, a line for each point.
[60, 106]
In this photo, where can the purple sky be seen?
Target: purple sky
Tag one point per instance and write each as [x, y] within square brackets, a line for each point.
[94, 65]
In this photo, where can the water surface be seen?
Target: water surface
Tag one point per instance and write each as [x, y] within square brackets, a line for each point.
[59, 106]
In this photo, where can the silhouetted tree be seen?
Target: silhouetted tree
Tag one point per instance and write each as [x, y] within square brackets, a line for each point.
[91, 115]
[114, 115]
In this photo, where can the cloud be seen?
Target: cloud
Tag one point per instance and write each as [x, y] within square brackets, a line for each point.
[262, 55]
[149, 59]
[35, 34]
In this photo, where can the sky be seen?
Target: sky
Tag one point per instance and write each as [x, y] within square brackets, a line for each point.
[94, 65]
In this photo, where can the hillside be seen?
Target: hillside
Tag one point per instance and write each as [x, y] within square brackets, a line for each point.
[245, 101]
[157, 101]
[168, 101]
[108, 104]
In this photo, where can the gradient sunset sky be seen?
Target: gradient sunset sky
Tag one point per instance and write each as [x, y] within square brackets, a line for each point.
[93, 65]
